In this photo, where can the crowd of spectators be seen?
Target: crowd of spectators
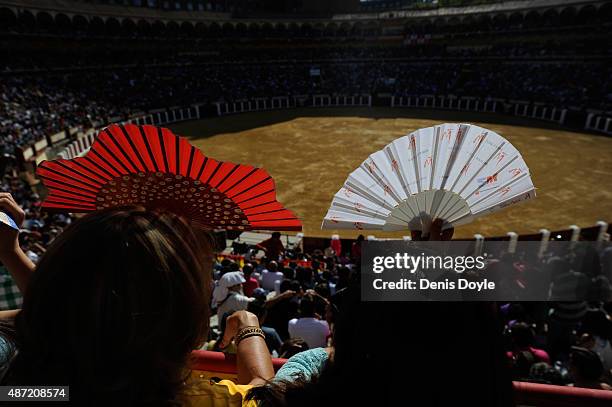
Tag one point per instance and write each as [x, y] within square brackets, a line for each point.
[47, 87]
[561, 343]
[33, 106]
[414, 48]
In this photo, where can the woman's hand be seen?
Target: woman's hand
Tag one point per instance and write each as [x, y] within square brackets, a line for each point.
[9, 242]
[11, 255]
[234, 323]
[435, 232]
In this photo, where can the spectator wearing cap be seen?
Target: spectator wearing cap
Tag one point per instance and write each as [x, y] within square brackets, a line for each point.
[228, 294]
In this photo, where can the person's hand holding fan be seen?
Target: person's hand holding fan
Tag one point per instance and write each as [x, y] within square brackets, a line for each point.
[11, 255]
[151, 167]
[11, 217]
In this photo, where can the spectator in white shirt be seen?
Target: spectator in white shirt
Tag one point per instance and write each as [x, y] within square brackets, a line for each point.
[270, 276]
[313, 330]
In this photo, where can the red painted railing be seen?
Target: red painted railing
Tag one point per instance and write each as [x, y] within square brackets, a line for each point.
[219, 362]
[527, 394]
[544, 395]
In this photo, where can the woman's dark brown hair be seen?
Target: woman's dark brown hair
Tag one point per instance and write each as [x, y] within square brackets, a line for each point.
[114, 309]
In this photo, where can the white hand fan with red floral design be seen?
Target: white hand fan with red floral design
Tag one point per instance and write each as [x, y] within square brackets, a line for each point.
[455, 172]
[152, 167]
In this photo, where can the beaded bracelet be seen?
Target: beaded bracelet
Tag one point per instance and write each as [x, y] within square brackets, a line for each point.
[247, 332]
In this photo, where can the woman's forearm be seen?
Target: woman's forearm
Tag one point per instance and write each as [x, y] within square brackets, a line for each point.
[9, 314]
[19, 266]
[252, 355]
[254, 361]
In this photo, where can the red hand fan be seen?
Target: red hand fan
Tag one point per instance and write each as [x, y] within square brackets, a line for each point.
[152, 167]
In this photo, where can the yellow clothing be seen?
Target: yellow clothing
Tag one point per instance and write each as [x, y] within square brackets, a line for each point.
[201, 391]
